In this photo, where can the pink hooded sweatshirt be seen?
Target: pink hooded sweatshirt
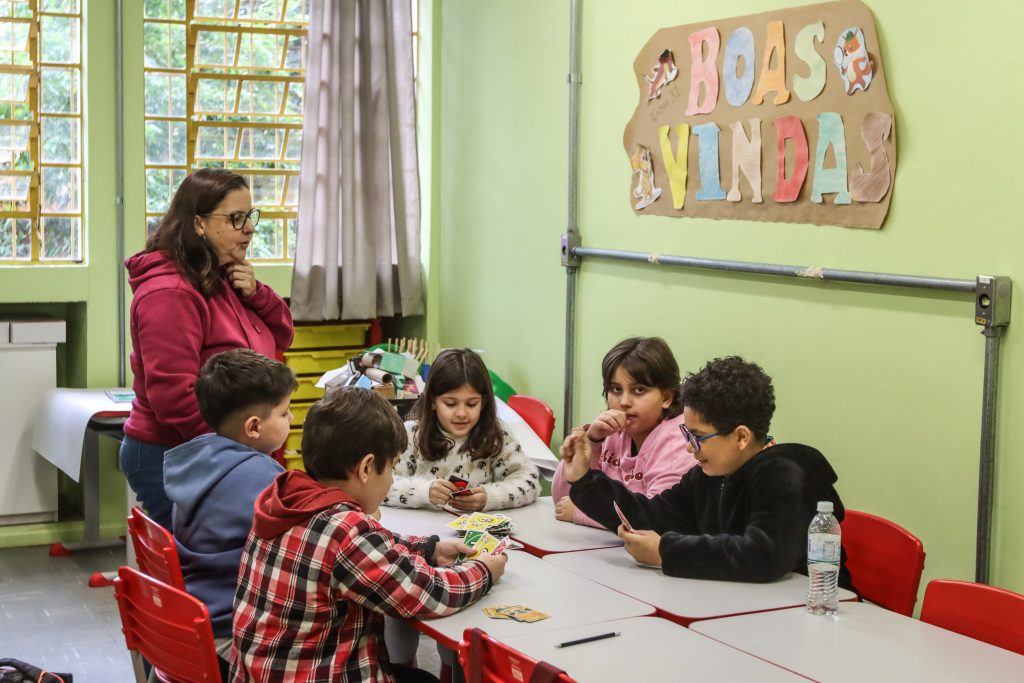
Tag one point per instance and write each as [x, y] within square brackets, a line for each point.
[659, 464]
[174, 330]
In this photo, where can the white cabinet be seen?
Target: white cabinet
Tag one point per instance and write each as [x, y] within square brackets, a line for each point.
[28, 483]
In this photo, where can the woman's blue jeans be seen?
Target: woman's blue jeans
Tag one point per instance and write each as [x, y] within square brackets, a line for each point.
[143, 465]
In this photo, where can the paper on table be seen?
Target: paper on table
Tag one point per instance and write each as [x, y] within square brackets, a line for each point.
[59, 430]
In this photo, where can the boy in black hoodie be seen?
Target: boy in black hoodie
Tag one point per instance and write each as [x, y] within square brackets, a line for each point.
[742, 515]
[213, 480]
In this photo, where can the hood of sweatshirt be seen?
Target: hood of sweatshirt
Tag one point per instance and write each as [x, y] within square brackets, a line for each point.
[193, 469]
[293, 498]
[148, 265]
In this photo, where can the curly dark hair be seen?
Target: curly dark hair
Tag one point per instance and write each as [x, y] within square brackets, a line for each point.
[198, 195]
[452, 369]
[729, 392]
[649, 361]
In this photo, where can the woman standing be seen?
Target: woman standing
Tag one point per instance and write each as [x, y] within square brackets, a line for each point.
[194, 295]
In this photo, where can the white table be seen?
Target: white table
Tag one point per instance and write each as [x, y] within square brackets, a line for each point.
[864, 643]
[570, 600]
[684, 600]
[417, 521]
[537, 529]
[648, 649]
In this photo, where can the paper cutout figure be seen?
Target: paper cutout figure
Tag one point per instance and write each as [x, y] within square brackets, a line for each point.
[746, 157]
[790, 127]
[675, 164]
[707, 154]
[809, 87]
[851, 56]
[871, 187]
[773, 80]
[662, 73]
[645, 191]
[829, 180]
[703, 71]
[740, 45]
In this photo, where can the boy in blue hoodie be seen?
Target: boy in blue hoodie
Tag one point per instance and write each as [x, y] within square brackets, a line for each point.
[213, 480]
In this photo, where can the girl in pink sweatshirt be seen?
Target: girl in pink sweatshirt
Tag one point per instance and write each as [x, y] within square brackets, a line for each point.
[637, 440]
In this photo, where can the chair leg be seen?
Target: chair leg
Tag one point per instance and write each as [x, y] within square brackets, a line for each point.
[137, 667]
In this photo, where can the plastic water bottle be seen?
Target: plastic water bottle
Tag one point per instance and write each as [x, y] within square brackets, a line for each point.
[824, 546]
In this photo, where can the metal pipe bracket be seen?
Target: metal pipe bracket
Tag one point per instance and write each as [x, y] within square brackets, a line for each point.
[992, 300]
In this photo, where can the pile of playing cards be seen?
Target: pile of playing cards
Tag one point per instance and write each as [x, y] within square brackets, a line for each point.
[516, 612]
[482, 542]
[496, 524]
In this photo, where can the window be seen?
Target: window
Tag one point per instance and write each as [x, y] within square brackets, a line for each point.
[40, 131]
[223, 82]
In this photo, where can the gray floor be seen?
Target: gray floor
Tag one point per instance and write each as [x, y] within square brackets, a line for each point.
[50, 617]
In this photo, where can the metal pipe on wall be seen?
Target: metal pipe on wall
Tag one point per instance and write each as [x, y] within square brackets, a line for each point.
[571, 237]
[119, 184]
[987, 455]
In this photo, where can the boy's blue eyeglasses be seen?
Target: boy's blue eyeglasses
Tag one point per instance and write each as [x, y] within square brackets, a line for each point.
[696, 441]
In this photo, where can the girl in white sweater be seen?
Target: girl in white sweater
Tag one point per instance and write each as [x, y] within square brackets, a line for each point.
[456, 432]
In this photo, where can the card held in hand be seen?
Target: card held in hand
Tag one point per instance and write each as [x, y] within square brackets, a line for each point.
[625, 522]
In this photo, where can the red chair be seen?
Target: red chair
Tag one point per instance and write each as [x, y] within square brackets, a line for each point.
[536, 413]
[155, 550]
[168, 627]
[487, 660]
[885, 561]
[977, 611]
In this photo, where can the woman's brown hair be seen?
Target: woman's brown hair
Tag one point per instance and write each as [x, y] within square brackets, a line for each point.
[198, 195]
[452, 369]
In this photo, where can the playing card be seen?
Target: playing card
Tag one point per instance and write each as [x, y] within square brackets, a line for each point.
[461, 486]
[481, 542]
[493, 613]
[625, 522]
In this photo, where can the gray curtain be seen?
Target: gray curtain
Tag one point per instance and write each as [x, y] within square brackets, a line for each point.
[357, 253]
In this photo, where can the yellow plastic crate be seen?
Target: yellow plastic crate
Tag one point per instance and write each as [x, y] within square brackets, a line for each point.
[307, 390]
[294, 440]
[293, 461]
[318, 362]
[299, 411]
[330, 336]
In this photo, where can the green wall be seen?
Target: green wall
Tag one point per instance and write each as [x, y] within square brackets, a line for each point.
[86, 294]
[887, 383]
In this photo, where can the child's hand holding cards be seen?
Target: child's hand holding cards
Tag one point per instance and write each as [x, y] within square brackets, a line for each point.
[461, 486]
[625, 522]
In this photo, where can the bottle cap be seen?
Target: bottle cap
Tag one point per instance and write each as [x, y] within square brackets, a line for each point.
[825, 506]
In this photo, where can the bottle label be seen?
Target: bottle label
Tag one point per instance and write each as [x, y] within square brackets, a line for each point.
[823, 548]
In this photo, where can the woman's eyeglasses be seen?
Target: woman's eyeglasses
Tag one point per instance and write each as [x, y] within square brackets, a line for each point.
[238, 218]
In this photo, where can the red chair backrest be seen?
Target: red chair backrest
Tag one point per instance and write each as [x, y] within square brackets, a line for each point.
[885, 561]
[535, 413]
[487, 660]
[155, 551]
[977, 611]
[168, 627]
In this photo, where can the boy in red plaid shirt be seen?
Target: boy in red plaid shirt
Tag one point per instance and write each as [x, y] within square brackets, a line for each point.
[319, 573]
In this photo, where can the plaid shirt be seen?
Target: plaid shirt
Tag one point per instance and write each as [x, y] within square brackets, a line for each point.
[310, 603]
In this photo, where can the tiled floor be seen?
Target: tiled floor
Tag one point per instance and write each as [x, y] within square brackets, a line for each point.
[50, 617]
